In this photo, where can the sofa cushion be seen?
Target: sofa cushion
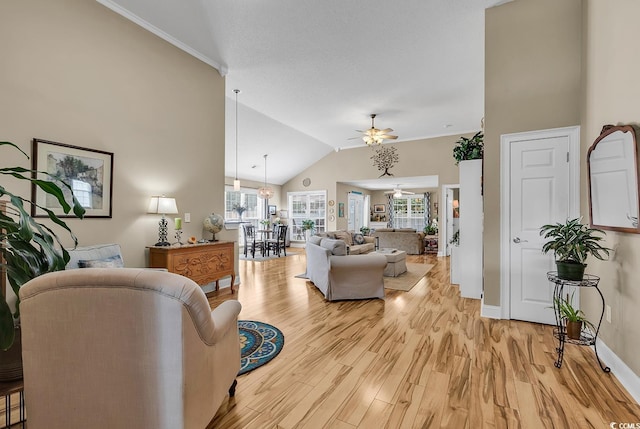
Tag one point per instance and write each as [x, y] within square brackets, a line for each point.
[111, 262]
[384, 230]
[337, 247]
[315, 239]
[344, 236]
[358, 238]
[405, 230]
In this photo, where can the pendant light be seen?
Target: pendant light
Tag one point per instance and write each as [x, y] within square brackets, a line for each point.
[265, 192]
[236, 181]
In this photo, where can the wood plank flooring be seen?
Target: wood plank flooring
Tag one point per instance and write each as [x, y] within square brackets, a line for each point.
[418, 359]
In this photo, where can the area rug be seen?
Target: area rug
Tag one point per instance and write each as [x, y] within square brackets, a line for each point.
[408, 280]
[259, 342]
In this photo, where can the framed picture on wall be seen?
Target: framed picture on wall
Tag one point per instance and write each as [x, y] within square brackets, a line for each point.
[272, 210]
[340, 209]
[378, 208]
[88, 172]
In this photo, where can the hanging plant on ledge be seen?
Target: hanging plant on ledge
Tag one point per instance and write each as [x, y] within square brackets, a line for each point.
[385, 158]
[467, 149]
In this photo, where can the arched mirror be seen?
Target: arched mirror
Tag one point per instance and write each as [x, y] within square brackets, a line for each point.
[612, 164]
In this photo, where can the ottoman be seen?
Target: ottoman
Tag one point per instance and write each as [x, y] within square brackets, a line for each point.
[396, 262]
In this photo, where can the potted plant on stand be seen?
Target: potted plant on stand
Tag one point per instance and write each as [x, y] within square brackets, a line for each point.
[308, 226]
[572, 317]
[572, 242]
[28, 249]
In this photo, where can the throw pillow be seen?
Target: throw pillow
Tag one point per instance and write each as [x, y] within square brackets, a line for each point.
[358, 238]
[337, 247]
[344, 236]
[112, 262]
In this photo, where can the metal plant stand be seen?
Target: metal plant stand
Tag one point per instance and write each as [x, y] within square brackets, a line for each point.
[587, 335]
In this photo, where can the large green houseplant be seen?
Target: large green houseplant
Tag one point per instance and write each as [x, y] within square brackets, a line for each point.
[469, 148]
[29, 248]
[572, 242]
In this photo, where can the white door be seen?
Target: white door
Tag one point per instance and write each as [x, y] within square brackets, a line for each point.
[541, 187]
[355, 203]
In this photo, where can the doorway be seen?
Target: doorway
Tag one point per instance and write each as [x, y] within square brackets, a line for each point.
[540, 185]
[450, 217]
[355, 204]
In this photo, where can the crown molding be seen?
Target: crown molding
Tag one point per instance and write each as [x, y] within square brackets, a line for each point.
[223, 70]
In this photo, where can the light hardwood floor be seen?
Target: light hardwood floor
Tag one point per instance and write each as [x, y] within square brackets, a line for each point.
[418, 359]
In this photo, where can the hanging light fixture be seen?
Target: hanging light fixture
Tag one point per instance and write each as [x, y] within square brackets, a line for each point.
[265, 192]
[236, 181]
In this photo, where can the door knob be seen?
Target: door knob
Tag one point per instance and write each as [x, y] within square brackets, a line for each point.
[517, 240]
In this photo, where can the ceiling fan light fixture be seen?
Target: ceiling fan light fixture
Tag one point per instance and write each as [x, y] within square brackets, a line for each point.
[397, 193]
[374, 136]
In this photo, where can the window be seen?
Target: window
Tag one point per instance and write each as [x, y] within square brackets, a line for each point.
[408, 212]
[247, 198]
[306, 205]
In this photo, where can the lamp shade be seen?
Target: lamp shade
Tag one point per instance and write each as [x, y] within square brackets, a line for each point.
[162, 205]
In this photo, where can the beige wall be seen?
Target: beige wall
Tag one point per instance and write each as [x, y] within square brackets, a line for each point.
[532, 82]
[416, 158]
[612, 96]
[75, 72]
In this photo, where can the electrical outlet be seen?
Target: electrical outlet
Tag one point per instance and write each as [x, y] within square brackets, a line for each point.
[608, 313]
[187, 217]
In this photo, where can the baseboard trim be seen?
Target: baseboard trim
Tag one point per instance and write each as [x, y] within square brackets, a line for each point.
[490, 311]
[623, 373]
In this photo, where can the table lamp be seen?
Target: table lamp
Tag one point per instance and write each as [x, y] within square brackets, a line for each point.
[164, 206]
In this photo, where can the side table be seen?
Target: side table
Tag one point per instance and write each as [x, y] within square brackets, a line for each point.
[588, 337]
[9, 389]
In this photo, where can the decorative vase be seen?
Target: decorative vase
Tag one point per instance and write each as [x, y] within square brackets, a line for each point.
[574, 329]
[570, 270]
[11, 360]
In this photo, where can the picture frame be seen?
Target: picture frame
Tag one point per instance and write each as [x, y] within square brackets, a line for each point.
[379, 208]
[272, 210]
[89, 172]
[340, 209]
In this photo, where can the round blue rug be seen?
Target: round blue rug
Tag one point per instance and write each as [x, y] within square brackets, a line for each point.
[259, 342]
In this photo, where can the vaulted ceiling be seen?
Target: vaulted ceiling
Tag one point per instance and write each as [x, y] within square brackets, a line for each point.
[311, 72]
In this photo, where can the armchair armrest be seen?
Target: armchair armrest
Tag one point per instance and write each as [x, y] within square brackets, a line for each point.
[225, 317]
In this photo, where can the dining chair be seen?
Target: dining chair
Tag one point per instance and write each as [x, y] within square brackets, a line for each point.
[251, 242]
[279, 241]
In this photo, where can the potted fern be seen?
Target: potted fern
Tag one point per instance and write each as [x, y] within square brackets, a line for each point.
[572, 242]
[28, 248]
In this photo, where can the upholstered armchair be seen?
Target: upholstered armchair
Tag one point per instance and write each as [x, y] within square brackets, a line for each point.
[116, 348]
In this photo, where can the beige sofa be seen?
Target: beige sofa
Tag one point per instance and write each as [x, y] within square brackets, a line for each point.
[366, 245]
[406, 239]
[340, 276]
[115, 348]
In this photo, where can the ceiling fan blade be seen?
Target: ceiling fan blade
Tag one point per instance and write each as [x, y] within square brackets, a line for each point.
[387, 137]
[386, 130]
[408, 193]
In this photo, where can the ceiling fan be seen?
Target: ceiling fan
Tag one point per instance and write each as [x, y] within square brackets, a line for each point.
[375, 136]
[397, 192]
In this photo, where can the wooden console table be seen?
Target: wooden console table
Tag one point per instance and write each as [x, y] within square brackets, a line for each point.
[203, 262]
